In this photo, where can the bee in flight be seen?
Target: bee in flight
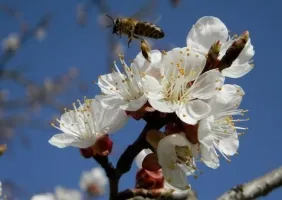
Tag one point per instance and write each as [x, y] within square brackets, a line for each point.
[135, 29]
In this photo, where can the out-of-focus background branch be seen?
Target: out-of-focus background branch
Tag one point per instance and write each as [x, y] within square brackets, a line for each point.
[18, 112]
[20, 107]
[36, 94]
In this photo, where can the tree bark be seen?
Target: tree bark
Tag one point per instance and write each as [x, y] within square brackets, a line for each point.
[257, 188]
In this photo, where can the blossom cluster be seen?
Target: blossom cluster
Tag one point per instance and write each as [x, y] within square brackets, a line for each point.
[93, 182]
[187, 83]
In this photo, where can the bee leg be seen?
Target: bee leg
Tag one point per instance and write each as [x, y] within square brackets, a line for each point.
[129, 41]
[145, 49]
[131, 35]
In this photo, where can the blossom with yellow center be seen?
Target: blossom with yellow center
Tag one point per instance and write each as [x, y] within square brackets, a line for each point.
[85, 124]
[181, 88]
[176, 156]
[125, 89]
[219, 130]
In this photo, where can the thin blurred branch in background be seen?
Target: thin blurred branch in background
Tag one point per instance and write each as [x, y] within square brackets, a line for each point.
[36, 94]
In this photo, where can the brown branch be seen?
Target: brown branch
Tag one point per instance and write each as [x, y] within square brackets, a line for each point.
[259, 187]
[154, 121]
[125, 161]
[110, 172]
[159, 194]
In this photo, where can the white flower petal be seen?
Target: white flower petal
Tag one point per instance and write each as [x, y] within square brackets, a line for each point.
[205, 32]
[205, 134]
[140, 157]
[246, 54]
[107, 82]
[108, 120]
[46, 196]
[209, 157]
[67, 194]
[193, 111]
[191, 62]
[96, 177]
[152, 88]
[135, 104]
[228, 98]
[143, 65]
[110, 101]
[63, 140]
[176, 177]
[241, 66]
[207, 84]
[229, 145]
[67, 120]
[237, 70]
[162, 106]
[178, 139]
[166, 153]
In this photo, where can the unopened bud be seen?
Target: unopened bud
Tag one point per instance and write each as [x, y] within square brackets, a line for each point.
[151, 163]
[212, 57]
[234, 51]
[87, 152]
[149, 179]
[103, 146]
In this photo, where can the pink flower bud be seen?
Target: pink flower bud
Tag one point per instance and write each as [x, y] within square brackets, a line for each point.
[149, 179]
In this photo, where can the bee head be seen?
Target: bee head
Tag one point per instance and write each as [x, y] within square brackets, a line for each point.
[116, 25]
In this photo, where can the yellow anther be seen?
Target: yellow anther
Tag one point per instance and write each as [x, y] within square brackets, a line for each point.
[164, 52]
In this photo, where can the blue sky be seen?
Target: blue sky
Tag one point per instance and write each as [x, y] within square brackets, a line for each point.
[43, 166]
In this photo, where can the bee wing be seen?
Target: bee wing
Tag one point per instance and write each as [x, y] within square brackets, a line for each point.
[145, 10]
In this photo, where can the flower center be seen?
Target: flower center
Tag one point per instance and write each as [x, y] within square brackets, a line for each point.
[226, 124]
[78, 122]
[178, 80]
[127, 85]
[185, 157]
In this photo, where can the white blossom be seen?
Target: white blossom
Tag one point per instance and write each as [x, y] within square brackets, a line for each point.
[82, 126]
[176, 156]
[67, 194]
[40, 34]
[12, 42]
[59, 194]
[209, 30]
[218, 131]
[45, 196]
[94, 178]
[181, 88]
[125, 90]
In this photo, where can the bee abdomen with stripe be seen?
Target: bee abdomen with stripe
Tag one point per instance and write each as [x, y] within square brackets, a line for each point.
[149, 30]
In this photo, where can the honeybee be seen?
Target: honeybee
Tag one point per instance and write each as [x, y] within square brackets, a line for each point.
[134, 29]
